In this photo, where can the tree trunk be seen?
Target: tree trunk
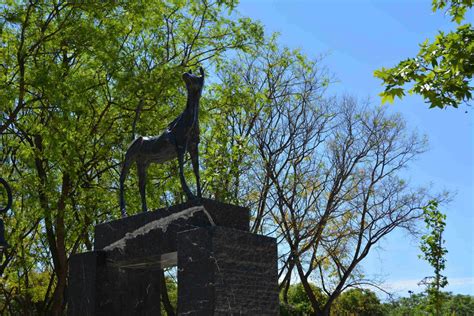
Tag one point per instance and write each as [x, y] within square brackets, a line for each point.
[61, 269]
[164, 296]
[307, 286]
[326, 311]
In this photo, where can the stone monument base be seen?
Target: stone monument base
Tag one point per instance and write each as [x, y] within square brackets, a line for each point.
[222, 268]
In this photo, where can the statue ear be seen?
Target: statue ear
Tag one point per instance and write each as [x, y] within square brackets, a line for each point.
[201, 71]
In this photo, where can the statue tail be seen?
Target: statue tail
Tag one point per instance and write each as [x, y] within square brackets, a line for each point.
[129, 159]
[123, 176]
[9, 196]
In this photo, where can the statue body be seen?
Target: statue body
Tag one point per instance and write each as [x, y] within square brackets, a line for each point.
[181, 136]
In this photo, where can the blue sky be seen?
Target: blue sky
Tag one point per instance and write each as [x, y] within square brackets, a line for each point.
[358, 37]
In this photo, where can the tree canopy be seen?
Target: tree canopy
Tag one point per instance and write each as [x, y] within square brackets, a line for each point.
[79, 80]
[360, 301]
[419, 304]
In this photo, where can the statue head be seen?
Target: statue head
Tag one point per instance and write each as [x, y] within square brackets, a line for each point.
[193, 82]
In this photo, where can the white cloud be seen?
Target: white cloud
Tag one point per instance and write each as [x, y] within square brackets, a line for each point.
[456, 285]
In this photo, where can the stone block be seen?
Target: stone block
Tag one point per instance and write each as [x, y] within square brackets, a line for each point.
[222, 271]
[82, 276]
[222, 268]
[96, 288]
[142, 239]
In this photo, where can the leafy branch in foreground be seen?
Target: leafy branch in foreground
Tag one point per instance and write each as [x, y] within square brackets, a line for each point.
[442, 70]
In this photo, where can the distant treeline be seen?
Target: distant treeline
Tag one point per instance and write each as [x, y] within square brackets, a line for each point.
[358, 302]
[366, 302]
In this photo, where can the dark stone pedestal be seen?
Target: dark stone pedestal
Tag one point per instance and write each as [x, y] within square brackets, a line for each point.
[222, 271]
[222, 268]
[82, 282]
[96, 288]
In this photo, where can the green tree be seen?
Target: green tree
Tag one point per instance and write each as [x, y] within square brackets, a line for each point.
[442, 71]
[351, 302]
[297, 302]
[78, 80]
[360, 302]
[418, 304]
[434, 252]
[459, 305]
[314, 171]
[412, 305]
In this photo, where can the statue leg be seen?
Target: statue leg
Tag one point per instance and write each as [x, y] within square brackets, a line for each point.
[181, 151]
[195, 161]
[141, 167]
